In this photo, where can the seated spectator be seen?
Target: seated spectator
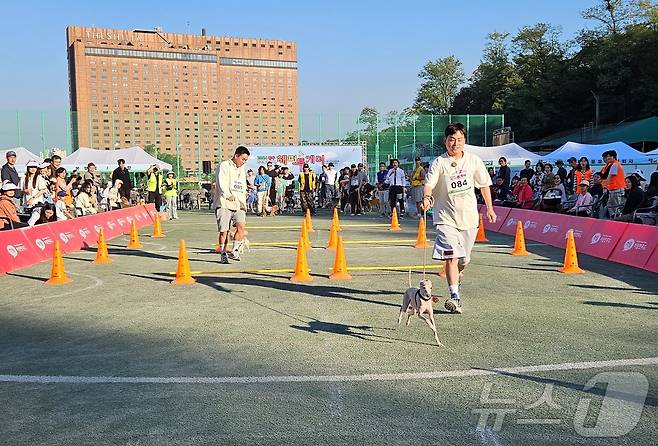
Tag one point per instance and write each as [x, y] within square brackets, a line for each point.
[84, 203]
[114, 196]
[583, 206]
[47, 214]
[522, 194]
[559, 184]
[8, 215]
[515, 181]
[596, 189]
[634, 197]
[492, 174]
[61, 209]
[499, 190]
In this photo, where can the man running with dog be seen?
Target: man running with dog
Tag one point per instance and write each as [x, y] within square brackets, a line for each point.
[450, 191]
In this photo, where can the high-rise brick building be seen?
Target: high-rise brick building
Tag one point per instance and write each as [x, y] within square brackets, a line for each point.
[196, 95]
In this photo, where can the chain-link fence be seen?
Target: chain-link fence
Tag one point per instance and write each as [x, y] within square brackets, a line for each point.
[200, 139]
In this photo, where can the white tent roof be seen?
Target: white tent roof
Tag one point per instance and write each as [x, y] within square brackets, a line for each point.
[653, 154]
[625, 153]
[105, 160]
[22, 157]
[514, 153]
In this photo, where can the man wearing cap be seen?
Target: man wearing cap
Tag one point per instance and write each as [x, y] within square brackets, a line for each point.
[154, 186]
[171, 194]
[9, 173]
[583, 206]
[8, 216]
[121, 173]
[307, 183]
[417, 186]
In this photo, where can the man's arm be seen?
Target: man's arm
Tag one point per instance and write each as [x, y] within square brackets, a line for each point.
[486, 194]
[223, 182]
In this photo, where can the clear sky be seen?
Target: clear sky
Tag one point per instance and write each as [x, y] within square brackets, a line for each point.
[351, 53]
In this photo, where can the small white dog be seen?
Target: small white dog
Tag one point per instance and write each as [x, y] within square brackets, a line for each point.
[419, 301]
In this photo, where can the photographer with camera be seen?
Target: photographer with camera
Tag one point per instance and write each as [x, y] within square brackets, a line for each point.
[154, 186]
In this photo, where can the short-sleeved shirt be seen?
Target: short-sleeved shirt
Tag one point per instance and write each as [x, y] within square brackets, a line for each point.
[453, 182]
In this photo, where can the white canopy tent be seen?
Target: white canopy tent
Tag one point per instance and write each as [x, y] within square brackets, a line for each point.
[625, 153]
[106, 160]
[513, 153]
[653, 155]
[22, 157]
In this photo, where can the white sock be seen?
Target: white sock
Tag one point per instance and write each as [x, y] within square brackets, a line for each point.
[236, 245]
[454, 289]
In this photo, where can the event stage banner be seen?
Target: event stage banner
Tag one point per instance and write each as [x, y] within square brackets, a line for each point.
[295, 157]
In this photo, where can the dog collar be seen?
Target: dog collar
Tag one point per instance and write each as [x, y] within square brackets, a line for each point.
[418, 294]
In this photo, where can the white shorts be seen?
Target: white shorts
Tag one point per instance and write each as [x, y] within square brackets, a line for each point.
[453, 243]
[226, 216]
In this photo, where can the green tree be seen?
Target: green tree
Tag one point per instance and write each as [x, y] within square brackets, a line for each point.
[441, 81]
[614, 15]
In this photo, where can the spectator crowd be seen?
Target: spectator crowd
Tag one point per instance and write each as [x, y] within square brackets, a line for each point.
[47, 192]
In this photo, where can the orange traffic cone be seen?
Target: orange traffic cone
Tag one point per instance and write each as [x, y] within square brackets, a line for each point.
[333, 238]
[335, 221]
[519, 241]
[301, 273]
[571, 256]
[134, 237]
[157, 227]
[183, 274]
[57, 273]
[481, 236]
[304, 236]
[395, 225]
[421, 240]
[340, 263]
[309, 223]
[102, 255]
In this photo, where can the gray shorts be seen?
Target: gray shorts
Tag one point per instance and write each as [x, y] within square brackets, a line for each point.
[453, 243]
[226, 216]
[417, 193]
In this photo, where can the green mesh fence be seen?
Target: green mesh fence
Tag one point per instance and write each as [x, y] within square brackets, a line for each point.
[202, 138]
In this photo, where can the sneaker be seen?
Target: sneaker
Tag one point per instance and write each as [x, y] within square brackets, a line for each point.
[234, 255]
[454, 304]
[223, 258]
[351, 215]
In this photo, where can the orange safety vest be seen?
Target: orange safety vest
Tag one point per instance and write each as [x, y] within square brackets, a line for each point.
[580, 177]
[614, 182]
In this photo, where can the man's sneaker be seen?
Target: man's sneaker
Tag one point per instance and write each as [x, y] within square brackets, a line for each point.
[234, 255]
[223, 258]
[454, 304]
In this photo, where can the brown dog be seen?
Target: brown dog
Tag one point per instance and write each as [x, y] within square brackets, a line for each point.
[419, 301]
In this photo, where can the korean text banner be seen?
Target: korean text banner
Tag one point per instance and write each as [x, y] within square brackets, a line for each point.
[295, 157]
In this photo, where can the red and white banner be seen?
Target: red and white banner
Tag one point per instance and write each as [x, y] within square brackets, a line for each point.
[20, 248]
[652, 263]
[636, 245]
[602, 238]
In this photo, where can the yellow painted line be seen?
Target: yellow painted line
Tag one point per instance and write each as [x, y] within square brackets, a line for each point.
[364, 225]
[346, 242]
[290, 270]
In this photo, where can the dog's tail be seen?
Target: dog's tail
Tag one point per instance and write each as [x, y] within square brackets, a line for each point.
[409, 277]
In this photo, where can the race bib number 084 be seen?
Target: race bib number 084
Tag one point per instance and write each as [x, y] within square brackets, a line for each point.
[458, 183]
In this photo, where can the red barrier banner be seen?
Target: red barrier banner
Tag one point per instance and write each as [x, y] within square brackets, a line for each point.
[533, 223]
[555, 230]
[636, 245]
[122, 220]
[66, 231]
[501, 214]
[42, 239]
[15, 251]
[602, 237]
[652, 263]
